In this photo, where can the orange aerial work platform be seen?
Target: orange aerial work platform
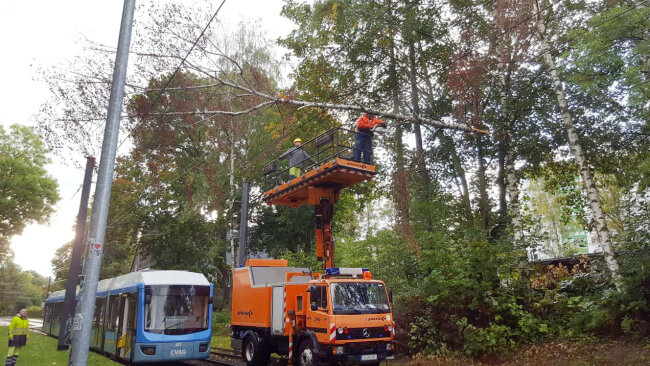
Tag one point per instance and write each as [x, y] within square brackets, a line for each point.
[334, 175]
[325, 167]
[339, 316]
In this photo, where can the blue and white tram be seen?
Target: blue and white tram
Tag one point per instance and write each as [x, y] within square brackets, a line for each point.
[149, 316]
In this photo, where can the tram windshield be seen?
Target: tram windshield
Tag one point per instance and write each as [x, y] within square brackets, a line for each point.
[176, 309]
[359, 298]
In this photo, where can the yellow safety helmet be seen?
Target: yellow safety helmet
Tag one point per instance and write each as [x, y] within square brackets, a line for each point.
[297, 140]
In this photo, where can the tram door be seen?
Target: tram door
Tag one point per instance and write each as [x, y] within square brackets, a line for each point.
[97, 332]
[110, 331]
[127, 324]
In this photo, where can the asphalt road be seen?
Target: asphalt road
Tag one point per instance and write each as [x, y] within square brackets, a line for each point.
[35, 324]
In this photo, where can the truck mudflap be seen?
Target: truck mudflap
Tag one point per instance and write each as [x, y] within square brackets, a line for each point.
[358, 353]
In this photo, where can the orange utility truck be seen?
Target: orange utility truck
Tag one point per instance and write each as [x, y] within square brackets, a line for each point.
[341, 315]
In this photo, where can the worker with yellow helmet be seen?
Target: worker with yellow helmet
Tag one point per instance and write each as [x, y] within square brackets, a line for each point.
[296, 156]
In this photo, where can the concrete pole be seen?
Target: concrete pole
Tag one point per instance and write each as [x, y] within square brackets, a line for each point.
[83, 318]
[69, 303]
[243, 225]
[49, 281]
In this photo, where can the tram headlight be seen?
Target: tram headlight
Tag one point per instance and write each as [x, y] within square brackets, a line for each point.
[203, 347]
[148, 350]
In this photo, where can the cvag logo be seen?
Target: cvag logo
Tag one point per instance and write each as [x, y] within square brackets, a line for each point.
[178, 352]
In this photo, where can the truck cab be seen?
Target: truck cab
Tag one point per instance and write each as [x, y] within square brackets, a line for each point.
[342, 315]
[350, 318]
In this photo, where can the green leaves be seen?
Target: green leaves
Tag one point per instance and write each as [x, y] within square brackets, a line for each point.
[27, 193]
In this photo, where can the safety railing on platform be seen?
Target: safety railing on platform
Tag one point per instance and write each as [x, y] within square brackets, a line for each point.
[335, 143]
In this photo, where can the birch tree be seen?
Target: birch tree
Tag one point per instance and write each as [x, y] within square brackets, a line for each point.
[574, 142]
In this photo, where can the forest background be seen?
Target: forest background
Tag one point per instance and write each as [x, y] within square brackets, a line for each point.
[453, 218]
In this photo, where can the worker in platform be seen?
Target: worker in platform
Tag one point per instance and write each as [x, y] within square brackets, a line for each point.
[363, 137]
[296, 156]
[17, 336]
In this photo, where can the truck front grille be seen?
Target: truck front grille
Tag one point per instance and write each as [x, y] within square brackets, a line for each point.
[363, 333]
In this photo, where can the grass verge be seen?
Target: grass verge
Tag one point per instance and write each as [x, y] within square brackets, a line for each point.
[41, 350]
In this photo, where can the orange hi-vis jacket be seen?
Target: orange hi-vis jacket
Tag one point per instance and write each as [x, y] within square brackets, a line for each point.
[364, 123]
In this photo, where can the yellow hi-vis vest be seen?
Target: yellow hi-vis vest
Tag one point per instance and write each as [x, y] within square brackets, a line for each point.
[18, 326]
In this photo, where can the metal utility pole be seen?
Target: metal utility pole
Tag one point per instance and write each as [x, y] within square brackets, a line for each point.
[69, 303]
[82, 321]
[49, 281]
[243, 225]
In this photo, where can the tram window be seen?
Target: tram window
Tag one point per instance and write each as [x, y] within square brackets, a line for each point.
[176, 309]
[133, 302]
[99, 307]
[57, 315]
[113, 312]
[102, 311]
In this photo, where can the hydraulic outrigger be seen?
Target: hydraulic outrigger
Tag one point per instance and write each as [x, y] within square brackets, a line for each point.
[332, 171]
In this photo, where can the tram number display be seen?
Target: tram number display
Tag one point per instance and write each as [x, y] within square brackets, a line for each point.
[178, 349]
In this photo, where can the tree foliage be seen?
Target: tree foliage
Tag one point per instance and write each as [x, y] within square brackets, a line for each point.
[27, 193]
[18, 288]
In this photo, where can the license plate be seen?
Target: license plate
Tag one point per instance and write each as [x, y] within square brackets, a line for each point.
[368, 357]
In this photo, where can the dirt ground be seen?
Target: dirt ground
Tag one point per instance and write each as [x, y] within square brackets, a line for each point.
[601, 353]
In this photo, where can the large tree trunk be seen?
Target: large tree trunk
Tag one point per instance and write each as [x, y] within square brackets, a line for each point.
[400, 178]
[233, 251]
[415, 97]
[447, 144]
[585, 172]
[507, 180]
[484, 200]
[501, 180]
[513, 195]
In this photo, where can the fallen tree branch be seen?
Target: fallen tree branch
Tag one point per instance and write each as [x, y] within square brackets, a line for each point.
[271, 99]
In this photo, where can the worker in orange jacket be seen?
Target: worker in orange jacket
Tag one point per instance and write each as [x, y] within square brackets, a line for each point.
[363, 137]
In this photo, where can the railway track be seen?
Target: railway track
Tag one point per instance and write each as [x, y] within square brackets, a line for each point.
[228, 357]
[219, 356]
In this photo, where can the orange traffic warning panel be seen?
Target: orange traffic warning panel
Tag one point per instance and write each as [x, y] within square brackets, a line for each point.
[334, 175]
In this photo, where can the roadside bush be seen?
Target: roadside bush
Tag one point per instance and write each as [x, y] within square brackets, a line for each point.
[473, 299]
[220, 321]
[34, 312]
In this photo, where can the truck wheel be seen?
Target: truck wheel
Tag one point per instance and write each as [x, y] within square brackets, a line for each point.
[307, 356]
[254, 354]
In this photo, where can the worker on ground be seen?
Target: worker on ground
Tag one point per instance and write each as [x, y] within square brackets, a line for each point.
[363, 137]
[296, 157]
[17, 336]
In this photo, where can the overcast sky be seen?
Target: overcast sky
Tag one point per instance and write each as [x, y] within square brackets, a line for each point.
[44, 33]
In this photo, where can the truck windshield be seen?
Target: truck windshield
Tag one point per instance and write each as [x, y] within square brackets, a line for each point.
[176, 309]
[359, 298]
